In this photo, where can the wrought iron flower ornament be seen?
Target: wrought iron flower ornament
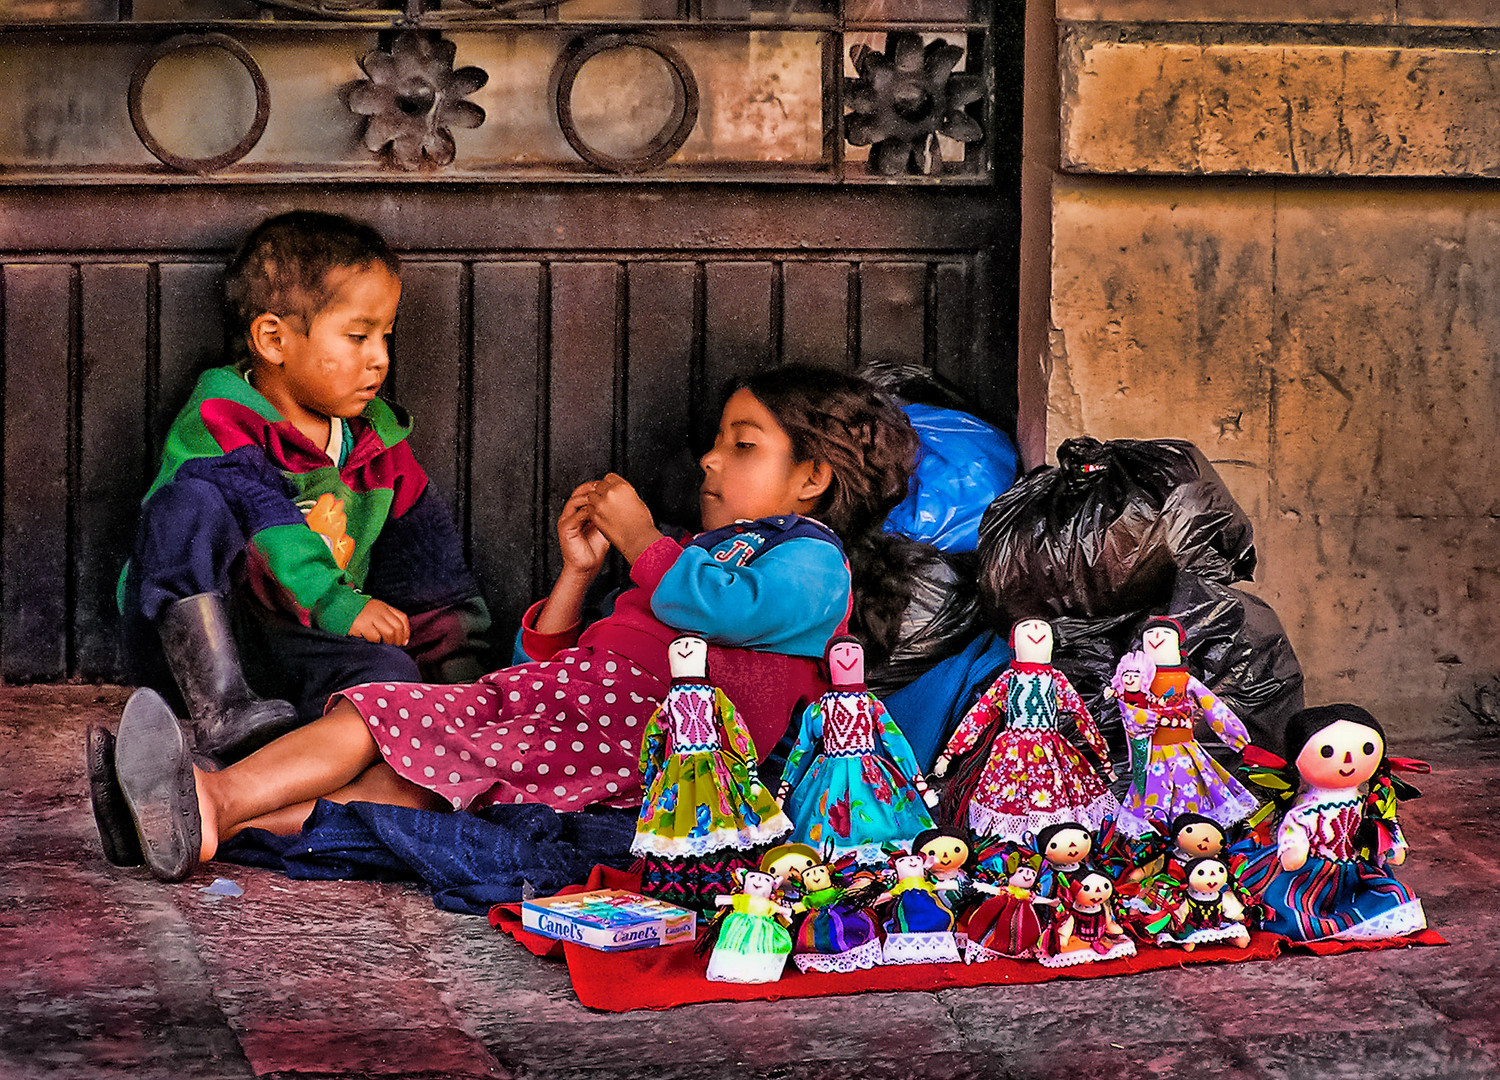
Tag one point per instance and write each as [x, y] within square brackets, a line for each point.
[413, 99]
[904, 98]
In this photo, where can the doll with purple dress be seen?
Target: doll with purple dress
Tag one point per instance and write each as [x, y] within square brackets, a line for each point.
[1178, 775]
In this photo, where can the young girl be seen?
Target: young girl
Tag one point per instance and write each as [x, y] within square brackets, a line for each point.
[803, 457]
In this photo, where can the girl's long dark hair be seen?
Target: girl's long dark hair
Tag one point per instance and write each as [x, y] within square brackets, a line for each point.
[870, 447]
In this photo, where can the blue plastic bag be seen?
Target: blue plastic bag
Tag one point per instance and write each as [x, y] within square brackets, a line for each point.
[965, 464]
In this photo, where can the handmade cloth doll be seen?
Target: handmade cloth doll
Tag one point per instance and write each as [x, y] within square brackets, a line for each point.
[786, 863]
[1008, 923]
[1189, 837]
[752, 944]
[919, 924]
[1328, 874]
[704, 812]
[852, 781]
[1085, 929]
[1063, 848]
[1179, 775]
[1133, 674]
[1024, 775]
[1205, 906]
[947, 854]
[838, 933]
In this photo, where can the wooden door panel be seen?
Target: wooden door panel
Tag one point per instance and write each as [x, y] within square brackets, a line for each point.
[35, 541]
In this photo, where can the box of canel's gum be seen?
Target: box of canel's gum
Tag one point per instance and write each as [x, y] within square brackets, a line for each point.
[611, 920]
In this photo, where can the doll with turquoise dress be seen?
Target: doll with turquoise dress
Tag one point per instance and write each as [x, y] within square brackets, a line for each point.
[705, 814]
[852, 783]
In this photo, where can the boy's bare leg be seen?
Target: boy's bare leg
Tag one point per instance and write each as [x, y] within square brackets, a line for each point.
[303, 765]
[377, 784]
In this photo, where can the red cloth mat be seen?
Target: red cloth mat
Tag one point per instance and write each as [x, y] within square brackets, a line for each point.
[663, 977]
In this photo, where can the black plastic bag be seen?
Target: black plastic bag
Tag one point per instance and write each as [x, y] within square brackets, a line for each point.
[927, 610]
[1105, 532]
[1232, 641]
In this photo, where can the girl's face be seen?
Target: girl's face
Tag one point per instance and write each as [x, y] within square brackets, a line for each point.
[1342, 755]
[750, 473]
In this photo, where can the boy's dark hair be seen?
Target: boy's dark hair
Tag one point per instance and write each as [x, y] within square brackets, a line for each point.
[853, 427]
[284, 267]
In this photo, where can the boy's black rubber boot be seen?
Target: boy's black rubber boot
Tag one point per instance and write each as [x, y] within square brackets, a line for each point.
[155, 767]
[227, 719]
[112, 817]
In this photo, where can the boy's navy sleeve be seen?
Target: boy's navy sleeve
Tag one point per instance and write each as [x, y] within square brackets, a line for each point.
[789, 600]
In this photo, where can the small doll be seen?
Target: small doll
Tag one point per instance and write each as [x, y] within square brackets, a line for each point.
[919, 925]
[852, 780]
[1327, 876]
[787, 863]
[839, 932]
[1178, 775]
[752, 943]
[947, 853]
[1063, 848]
[1085, 929]
[704, 810]
[1022, 774]
[1008, 924]
[1190, 836]
[1133, 674]
[1206, 906]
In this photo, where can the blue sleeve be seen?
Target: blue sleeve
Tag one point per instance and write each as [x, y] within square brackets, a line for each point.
[789, 600]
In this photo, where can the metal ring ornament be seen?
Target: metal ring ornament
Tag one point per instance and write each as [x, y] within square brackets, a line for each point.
[238, 150]
[665, 142]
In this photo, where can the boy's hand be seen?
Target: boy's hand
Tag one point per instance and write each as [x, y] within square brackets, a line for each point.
[583, 545]
[381, 623]
[620, 515]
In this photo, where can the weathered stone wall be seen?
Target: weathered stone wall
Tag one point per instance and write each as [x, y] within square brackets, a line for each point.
[1235, 261]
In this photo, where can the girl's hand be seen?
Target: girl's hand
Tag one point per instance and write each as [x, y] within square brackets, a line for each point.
[583, 545]
[618, 512]
[377, 621]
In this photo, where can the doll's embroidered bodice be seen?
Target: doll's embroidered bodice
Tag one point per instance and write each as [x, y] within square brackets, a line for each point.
[1031, 701]
[691, 722]
[848, 724]
[1330, 819]
[1203, 911]
[1171, 701]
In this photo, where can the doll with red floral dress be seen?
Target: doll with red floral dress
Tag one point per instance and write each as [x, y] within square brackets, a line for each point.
[1022, 775]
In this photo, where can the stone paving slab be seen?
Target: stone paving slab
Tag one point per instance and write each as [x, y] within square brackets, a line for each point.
[105, 972]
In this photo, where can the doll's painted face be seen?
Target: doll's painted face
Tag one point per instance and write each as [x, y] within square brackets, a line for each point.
[817, 878]
[1131, 680]
[758, 884]
[1022, 877]
[1093, 889]
[1208, 876]
[1033, 641]
[846, 664]
[910, 866]
[1342, 755]
[688, 657]
[1069, 846]
[788, 865]
[1200, 838]
[945, 853]
[1162, 645]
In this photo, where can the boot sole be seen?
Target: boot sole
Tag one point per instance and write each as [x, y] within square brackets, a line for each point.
[111, 814]
[155, 767]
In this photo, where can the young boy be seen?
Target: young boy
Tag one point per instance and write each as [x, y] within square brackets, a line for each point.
[290, 522]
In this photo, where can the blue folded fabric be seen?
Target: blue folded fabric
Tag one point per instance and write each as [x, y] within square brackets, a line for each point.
[929, 709]
[468, 861]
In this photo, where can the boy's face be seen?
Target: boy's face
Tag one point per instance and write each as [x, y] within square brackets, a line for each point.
[750, 473]
[335, 366]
